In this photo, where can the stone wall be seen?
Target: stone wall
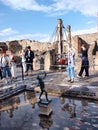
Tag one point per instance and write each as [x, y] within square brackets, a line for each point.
[89, 38]
[35, 45]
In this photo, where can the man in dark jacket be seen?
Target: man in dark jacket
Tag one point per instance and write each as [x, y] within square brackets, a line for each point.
[29, 55]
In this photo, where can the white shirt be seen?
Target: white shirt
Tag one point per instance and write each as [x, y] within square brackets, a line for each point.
[28, 53]
[71, 59]
[5, 61]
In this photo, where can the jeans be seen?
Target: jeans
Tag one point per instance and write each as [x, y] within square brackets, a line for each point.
[6, 70]
[70, 71]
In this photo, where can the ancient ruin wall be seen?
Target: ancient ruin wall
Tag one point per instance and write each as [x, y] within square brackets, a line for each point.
[89, 38]
[35, 45]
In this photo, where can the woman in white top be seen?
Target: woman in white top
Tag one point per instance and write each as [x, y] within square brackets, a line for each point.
[13, 65]
[71, 65]
[23, 61]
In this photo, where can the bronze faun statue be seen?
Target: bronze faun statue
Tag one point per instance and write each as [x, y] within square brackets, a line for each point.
[42, 86]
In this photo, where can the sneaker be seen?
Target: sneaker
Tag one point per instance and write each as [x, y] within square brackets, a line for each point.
[79, 76]
[86, 76]
[69, 80]
[6, 81]
[72, 81]
[3, 79]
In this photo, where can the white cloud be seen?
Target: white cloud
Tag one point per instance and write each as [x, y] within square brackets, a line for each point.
[84, 31]
[91, 22]
[37, 37]
[86, 7]
[9, 34]
[25, 4]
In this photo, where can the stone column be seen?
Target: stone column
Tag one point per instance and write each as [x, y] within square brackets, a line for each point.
[96, 61]
[69, 35]
[47, 61]
[59, 36]
[76, 44]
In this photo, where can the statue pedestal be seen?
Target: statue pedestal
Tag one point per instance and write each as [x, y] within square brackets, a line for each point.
[45, 108]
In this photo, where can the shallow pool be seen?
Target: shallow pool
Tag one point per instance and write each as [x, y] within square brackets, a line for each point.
[21, 112]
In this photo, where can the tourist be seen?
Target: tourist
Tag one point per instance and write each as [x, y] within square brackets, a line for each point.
[71, 65]
[5, 63]
[29, 55]
[23, 61]
[13, 65]
[0, 64]
[84, 61]
[1, 72]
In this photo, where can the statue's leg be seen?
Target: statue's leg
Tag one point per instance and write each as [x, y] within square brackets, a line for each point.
[46, 96]
[40, 94]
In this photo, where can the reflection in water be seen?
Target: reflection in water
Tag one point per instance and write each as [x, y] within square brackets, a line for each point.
[70, 107]
[68, 114]
[62, 100]
[45, 122]
[31, 97]
[9, 105]
[84, 106]
[10, 112]
[12, 103]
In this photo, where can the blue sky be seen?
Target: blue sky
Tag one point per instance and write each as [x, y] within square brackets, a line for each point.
[37, 19]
